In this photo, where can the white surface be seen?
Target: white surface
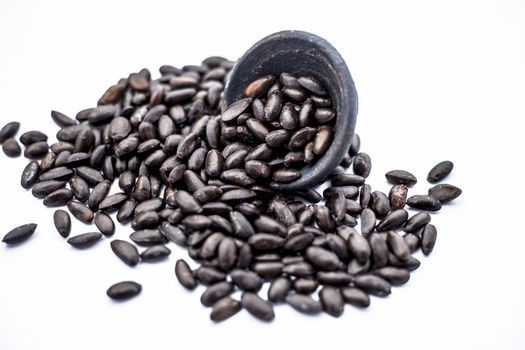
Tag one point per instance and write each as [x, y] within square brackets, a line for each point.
[441, 80]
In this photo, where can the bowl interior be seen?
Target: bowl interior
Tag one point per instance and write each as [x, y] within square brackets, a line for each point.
[302, 53]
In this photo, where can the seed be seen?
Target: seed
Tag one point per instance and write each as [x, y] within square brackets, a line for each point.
[237, 177]
[246, 280]
[332, 301]
[348, 180]
[380, 203]
[173, 233]
[187, 203]
[338, 206]
[215, 292]
[11, 148]
[62, 222]
[235, 109]
[322, 140]
[19, 234]
[336, 278]
[393, 220]
[412, 241]
[277, 138]
[84, 240]
[124, 290]
[148, 237]
[238, 195]
[322, 258]
[104, 223]
[184, 275]
[355, 296]
[42, 189]
[92, 176]
[423, 202]
[30, 175]
[227, 253]
[268, 269]
[398, 245]
[368, 221]
[379, 249]
[428, 239]
[305, 285]
[9, 130]
[256, 306]
[444, 192]
[114, 201]
[279, 289]
[416, 222]
[374, 285]
[155, 253]
[62, 120]
[31, 137]
[400, 177]
[98, 194]
[394, 275]
[304, 303]
[398, 196]
[359, 247]
[209, 275]
[265, 241]
[80, 211]
[362, 164]
[286, 175]
[300, 269]
[440, 171]
[102, 114]
[224, 309]
[126, 251]
[58, 198]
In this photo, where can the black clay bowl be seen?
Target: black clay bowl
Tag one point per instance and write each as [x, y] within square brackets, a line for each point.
[302, 53]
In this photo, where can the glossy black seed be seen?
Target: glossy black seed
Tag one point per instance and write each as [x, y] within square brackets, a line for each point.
[184, 275]
[80, 211]
[428, 239]
[394, 275]
[379, 203]
[92, 176]
[85, 240]
[227, 253]
[58, 198]
[359, 247]
[423, 202]
[279, 289]
[224, 309]
[374, 285]
[9, 131]
[246, 280]
[258, 307]
[148, 237]
[124, 290]
[322, 140]
[30, 137]
[19, 234]
[304, 303]
[187, 203]
[30, 175]
[104, 223]
[235, 109]
[394, 219]
[115, 201]
[332, 301]
[125, 212]
[368, 221]
[260, 86]
[335, 278]
[440, 171]
[379, 249]
[35, 150]
[154, 253]
[286, 175]
[42, 189]
[215, 292]
[355, 296]
[98, 194]
[398, 246]
[444, 192]
[62, 222]
[126, 252]
[347, 180]
[400, 177]
[11, 148]
[322, 258]
[416, 222]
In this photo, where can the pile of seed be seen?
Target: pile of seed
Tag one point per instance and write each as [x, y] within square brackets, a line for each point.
[197, 177]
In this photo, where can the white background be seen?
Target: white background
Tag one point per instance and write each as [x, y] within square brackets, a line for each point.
[436, 80]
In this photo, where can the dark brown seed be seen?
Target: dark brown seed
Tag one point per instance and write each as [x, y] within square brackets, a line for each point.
[48, 161]
[235, 109]
[104, 223]
[35, 150]
[146, 220]
[102, 114]
[84, 141]
[142, 190]
[125, 212]
[312, 84]
[305, 285]
[31, 137]
[398, 246]
[401, 177]
[265, 242]
[279, 289]
[19, 234]
[155, 253]
[411, 264]
[423, 202]
[187, 203]
[273, 106]
[258, 307]
[92, 176]
[100, 191]
[412, 241]
[355, 296]
[300, 269]
[196, 222]
[246, 280]
[335, 278]
[224, 309]
[62, 120]
[440, 171]
[286, 175]
[30, 175]
[114, 202]
[237, 177]
[184, 275]
[416, 222]
[394, 275]
[227, 253]
[348, 180]
[237, 195]
[126, 252]
[362, 164]
[398, 196]
[324, 115]
[304, 303]
[288, 117]
[355, 146]
[428, 239]
[62, 222]
[173, 233]
[301, 137]
[368, 221]
[80, 211]
[374, 285]
[379, 203]
[322, 258]
[379, 249]
[9, 131]
[215, 292]
[359, 247]
[338, 206]
[11, 148]
[124, 290]
[58, 198]
[42, 189]
[268, 269]
[277, 138]
[322, 140]
[393, 220]
[444, 192]
[259, 87]
[305, 113]
[84, 240]
[332, 301]
[209, 275]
